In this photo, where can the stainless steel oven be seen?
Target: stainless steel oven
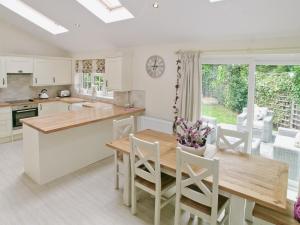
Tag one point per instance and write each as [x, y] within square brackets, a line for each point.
[21, 112]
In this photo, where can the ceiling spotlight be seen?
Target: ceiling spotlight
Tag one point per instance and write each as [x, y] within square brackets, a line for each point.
[156, 4]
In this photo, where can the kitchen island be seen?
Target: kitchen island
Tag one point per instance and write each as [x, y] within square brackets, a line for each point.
[59, 144]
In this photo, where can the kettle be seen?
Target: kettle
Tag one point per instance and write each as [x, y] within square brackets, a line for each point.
[43, 94]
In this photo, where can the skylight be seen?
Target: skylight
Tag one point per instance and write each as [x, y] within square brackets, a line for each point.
[107, 10]
[33, 16]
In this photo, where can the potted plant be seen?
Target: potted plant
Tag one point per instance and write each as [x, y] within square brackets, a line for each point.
[192, 137]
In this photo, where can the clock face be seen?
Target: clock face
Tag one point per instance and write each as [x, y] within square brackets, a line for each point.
[155, 66]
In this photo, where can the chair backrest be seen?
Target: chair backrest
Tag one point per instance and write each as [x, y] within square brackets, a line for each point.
[122, 128]
[193, 186]
[145, 160]
[232, 139]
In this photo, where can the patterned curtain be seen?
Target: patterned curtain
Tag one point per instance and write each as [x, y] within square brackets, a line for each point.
[90, 66]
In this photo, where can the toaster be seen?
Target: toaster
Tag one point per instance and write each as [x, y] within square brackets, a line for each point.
[64, 93]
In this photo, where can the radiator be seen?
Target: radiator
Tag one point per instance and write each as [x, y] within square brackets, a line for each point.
[146, 122]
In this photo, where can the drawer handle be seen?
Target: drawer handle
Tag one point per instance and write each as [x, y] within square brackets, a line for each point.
[20, 71]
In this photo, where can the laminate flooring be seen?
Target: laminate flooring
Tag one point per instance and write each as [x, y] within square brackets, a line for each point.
[86, 197]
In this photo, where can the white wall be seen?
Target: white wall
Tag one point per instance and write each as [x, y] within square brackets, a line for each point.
[160, 92]
[15, 41]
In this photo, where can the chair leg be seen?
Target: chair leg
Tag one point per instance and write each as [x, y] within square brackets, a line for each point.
[227, 213]
[157, 209]
[116, 171]
[133, 199]
[177, 214]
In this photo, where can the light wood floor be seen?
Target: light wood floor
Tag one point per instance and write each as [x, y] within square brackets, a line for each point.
[86, 197]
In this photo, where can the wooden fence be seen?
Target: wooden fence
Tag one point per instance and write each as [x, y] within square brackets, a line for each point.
[291, 113]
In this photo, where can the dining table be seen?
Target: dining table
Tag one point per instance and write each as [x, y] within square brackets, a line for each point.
[242, 177]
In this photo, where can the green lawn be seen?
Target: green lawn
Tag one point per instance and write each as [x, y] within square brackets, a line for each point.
[222, 114]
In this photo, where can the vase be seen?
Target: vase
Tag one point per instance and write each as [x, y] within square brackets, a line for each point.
[196, 151]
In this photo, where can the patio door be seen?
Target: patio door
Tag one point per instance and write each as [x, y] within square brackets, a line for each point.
[276, 117]
[224, 94]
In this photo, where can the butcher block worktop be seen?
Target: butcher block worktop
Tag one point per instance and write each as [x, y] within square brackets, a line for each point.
[66, 120]
[4, 104]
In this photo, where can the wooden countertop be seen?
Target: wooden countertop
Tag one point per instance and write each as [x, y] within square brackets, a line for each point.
[69, 100]
[66, 120]
[4, 104]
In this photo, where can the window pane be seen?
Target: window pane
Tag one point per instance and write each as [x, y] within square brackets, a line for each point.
[224, 92]
[277, 117]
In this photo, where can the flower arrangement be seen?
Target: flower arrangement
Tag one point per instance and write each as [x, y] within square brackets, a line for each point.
[297, 210]
[192, 135]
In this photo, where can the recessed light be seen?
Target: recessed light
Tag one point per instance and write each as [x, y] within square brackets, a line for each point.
[33, 16]
[156, 4]
[107, 10]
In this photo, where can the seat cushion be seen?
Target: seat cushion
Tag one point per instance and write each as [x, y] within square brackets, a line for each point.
[166, 182]
[203, 208]
[281, 218]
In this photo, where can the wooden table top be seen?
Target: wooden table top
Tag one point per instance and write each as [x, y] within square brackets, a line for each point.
[66, 120]
[251, 177]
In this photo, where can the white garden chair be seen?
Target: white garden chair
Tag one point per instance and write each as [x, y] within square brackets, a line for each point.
[121, 128]
[146, 174]
[193, 194]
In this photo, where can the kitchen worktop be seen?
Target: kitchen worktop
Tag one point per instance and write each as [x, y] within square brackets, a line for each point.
[67, 120]
[4, 104]
[69, 100]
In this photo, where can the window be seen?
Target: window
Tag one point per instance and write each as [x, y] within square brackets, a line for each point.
[90, 80]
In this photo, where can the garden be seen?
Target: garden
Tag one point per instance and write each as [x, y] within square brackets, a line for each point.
[225, 91]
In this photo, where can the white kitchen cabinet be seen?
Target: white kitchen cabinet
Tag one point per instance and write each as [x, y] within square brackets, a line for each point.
[5, 122]
[62, 71]
[49, 72]
[48, 108]
[3, 75]
[19, 65]
[42, 73]
[118, 73]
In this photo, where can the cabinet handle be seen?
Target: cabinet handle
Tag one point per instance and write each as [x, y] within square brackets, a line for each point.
[53, 79]
[69, 107]
[3, 81]
[106, 83]
[20, 71]
[41, 107]
[35, 80]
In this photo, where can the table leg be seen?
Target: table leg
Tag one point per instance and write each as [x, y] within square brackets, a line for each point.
[127, 182]
[237, 210]
[248, 210]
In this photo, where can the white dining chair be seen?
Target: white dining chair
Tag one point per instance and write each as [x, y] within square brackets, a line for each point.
[146, 175]
[232, 139]
[121, 128]
[193, 194]
[266, 216]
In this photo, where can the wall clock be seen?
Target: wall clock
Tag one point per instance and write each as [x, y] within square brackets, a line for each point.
[155, 66]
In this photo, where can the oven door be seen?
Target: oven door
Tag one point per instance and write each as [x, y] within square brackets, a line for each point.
[22, 114]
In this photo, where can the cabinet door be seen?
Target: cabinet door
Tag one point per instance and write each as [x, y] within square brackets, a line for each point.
[3, 75]
[19, 65]
[62, 71]
[5, 122]
[48, 108]
[43, 72]
[113, 73]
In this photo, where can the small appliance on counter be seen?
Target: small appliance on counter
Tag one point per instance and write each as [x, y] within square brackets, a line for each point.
[43, 94]
[64, 93]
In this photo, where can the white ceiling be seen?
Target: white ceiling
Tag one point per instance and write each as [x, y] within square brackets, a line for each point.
[174, 21]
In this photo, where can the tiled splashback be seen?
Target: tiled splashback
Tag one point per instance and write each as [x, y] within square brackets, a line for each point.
[19, 88]
[135, 97]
